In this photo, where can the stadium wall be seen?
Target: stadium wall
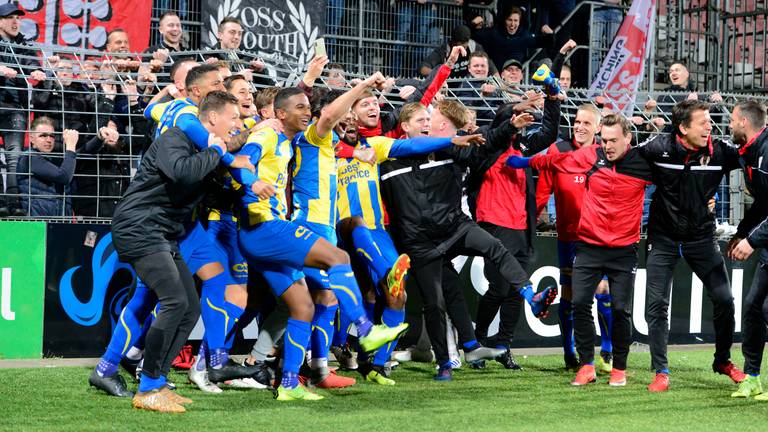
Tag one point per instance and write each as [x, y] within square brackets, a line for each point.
[63, 289]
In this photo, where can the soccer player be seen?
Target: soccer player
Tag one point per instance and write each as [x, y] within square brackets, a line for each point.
[569, 195]
[280, 249]
[751, 135]
[688, 167]
[361, 214]
[147, 223]
[609, 230]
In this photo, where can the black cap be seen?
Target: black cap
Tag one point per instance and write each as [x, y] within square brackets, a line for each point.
[460, 34]
[9, 9]
[512, 62]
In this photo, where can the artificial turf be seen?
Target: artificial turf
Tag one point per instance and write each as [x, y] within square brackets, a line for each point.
[539, 398]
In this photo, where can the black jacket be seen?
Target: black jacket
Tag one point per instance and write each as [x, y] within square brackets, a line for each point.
[15, 91]
[685, 182]
[161, 198]
[754, 161]
[423, 194]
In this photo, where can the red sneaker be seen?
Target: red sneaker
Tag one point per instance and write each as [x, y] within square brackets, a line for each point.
[731, 370]
[584, 376]
[332, 380]
[618, 378]
[660, 383]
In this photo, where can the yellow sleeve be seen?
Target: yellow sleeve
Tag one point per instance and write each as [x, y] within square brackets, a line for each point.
[311, 135]
[382, 146]
[249, 123]
[264, 138]
[157, 111]
[189, 109]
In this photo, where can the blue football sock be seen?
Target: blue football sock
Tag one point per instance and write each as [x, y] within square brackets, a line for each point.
[129, 324]
[148, 383]
[297, 334]
[344, 285]
[213, 311]
[370, 309]
[471, 345]
[527, 293]
[662, 371]
[754, 375]
[106, 368]
[290, 380]
[341, 329]
[369, 251]
[565, 312]
[605, 319]
[234, 312]
[202, 353]
[390, 318]
[322, 328]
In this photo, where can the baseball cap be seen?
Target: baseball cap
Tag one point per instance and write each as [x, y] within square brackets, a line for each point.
[9, 9]
[512, 62]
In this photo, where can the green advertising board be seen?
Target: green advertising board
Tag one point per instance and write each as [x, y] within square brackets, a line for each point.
[22, 289]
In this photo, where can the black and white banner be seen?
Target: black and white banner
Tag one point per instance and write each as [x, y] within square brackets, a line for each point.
[280, 32]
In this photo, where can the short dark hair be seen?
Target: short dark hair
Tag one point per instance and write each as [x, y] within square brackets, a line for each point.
[166, 15]
[683, 112]
[680, 62]
[334, 66]
[614, 119]
[113, 31]
[230, 80]
[177, 65]
[514, 10]
[215, 101]
[282, 96]
[198, 72]
[754, 112]
[230, 19]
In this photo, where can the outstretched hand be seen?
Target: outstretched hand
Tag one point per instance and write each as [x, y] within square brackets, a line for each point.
[468, 140]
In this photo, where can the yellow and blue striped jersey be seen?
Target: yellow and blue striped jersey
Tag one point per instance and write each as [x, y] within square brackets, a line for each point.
[358, 183]
[314, 178]
[270, 153]
[166, 114]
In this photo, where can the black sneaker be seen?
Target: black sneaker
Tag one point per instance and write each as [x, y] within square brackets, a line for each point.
[508, 361]
[113, 385]
[133, 367]
[477, 364]
[571, 362]
[263, 374]
[230, 371]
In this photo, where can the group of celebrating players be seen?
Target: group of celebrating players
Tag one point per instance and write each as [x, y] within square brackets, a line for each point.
[289, 198]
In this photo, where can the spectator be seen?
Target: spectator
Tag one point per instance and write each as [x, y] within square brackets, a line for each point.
[512, 73]
[553, 14]
[461, 35]
[42, 179]
[101, 180]
[67, 102]
[16, 66]
[230, 36]
[336, 76]
[506, 40]
[167, 51]
[475, 89]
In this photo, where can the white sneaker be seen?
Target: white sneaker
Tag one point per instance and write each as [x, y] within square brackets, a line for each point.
[200, 379]
[245, 383]
[401, 356]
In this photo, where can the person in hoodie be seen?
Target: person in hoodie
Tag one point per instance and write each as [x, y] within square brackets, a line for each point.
[507, 40]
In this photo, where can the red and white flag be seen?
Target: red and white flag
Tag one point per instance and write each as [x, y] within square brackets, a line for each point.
[623, 69]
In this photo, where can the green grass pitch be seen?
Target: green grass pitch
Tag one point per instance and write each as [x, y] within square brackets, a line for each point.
[539, 398]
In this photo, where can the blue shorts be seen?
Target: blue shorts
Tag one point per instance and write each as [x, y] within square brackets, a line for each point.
[197, 249]
[566, 253]
[278, 250]
[223, 234]
[316, 278]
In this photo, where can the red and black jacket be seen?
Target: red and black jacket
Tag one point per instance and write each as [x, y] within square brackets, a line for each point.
[754, 160]
[686, 179]
[613, 200]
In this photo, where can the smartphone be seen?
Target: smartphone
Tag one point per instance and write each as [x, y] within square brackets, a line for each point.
[320, 47]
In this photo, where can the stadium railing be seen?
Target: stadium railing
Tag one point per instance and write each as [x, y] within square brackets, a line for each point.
[729, 208]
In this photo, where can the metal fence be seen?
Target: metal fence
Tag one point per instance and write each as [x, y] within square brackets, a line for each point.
[81, 84]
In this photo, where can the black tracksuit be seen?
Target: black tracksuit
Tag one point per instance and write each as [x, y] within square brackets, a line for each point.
[423, 198]
[754, 227]
[147, 223]
[681, 225]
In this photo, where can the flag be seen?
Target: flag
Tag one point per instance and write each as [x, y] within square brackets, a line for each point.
[623, 69]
